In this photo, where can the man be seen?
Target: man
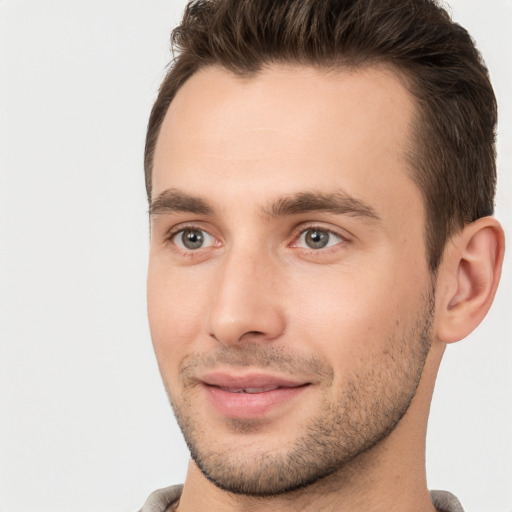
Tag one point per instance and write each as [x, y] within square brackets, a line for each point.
[321, 178]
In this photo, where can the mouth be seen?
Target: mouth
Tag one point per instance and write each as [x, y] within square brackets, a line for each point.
[250, 390]
[250, 396]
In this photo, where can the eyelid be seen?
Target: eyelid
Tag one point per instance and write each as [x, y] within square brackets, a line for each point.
[208, 240]
[301, 230]
[182, 226]
[192, 226]
[298, 231]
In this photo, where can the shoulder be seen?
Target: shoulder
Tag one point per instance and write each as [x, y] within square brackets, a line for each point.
[159, 500]
[445, 501]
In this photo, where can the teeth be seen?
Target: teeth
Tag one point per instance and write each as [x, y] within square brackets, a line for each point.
[260, 390]
[231, 390]
[250, 390]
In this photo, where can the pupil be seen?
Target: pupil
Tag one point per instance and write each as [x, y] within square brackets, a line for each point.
[317, 239]
[192, 239]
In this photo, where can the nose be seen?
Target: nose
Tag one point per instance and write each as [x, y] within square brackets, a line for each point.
[245, 303]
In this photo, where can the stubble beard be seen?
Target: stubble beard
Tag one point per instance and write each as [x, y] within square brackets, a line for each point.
[375, 399]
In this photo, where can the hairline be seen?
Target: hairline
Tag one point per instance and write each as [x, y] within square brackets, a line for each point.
[404, 76]
[413, 151]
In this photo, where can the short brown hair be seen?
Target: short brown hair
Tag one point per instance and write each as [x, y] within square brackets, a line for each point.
[453, 157]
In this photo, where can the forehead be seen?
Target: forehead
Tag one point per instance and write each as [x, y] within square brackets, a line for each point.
[289, 129]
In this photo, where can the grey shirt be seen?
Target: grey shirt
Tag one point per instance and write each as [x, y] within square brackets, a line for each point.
[164, 500]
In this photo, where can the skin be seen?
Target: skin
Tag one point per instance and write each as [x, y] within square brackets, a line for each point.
[360, 322]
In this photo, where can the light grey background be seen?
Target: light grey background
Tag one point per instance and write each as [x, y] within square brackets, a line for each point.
[84, 422]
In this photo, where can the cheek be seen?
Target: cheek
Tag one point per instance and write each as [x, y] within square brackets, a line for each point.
[174, 314]
[351, 315]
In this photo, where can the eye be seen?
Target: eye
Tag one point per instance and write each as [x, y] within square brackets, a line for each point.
[316, 238]
[192, 239]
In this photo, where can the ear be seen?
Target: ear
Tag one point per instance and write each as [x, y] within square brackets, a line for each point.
[468, 278]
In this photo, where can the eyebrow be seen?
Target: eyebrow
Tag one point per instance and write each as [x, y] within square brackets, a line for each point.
[339, 203]
[173, 200]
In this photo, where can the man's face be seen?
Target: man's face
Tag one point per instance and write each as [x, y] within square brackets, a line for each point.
[289, 297]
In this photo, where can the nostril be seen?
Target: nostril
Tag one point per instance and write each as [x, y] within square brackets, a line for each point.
[246, 337]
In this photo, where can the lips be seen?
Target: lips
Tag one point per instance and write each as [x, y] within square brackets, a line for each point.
[250, 396]
[250, 390]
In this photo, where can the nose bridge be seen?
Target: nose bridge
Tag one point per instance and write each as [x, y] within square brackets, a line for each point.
[245, 301]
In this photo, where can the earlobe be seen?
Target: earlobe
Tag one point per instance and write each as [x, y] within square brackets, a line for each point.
[469, 277]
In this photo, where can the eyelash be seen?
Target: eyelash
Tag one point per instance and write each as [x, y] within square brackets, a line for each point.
[297, 234]
[303, 230]
[173, 233]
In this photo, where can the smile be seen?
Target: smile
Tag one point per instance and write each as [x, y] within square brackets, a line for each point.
[250, 396]
[250, 390]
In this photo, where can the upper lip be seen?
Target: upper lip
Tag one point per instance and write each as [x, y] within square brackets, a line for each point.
[249, 380]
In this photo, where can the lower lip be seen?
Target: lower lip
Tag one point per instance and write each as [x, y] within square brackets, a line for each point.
[249, 405]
